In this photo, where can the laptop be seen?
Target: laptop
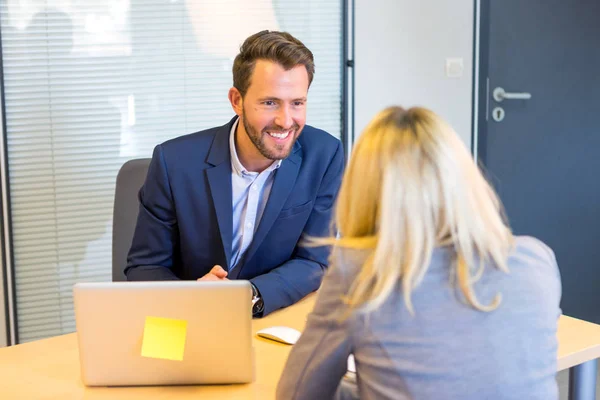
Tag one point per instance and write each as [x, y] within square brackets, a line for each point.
[116, 322]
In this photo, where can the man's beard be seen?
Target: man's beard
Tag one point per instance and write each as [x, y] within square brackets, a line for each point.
[258, 140]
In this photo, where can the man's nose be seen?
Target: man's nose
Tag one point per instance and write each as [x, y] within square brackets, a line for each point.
[284, 118]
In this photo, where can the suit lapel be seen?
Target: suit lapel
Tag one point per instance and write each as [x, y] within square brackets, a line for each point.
[285, 179]
[219, 180]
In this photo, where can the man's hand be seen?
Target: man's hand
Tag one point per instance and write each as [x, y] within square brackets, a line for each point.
[217, 273]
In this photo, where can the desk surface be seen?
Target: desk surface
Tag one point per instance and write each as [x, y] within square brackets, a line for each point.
[50, 368]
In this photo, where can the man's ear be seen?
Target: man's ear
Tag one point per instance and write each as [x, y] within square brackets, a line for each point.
[236, 100]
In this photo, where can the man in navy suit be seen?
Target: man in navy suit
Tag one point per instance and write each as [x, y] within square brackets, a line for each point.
[234, 202]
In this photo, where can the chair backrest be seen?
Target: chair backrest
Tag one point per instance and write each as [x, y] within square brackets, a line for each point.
[130, 179]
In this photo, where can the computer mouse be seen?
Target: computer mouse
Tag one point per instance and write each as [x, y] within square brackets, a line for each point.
[281, 334]
[351, 364]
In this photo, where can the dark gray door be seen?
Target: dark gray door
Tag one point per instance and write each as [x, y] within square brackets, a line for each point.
[544, 156]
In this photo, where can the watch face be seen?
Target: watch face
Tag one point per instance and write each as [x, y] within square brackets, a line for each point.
[258, 307]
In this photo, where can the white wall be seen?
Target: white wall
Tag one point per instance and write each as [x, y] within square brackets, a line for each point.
[401, 47]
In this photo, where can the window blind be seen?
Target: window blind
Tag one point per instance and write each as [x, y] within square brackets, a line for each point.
[89, 85]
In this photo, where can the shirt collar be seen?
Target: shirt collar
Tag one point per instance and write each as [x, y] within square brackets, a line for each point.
[236, 165]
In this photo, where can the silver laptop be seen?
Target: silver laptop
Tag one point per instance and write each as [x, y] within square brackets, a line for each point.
[111, 320]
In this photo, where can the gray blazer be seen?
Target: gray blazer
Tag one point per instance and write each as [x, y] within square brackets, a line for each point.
[447, 350]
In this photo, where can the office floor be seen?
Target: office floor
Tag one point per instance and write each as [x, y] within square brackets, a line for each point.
[563, 384]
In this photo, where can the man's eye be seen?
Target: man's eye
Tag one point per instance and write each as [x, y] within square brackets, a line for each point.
[298, 103]
[269, 103]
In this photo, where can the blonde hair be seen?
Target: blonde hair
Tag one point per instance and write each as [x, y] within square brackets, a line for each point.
[411, 186]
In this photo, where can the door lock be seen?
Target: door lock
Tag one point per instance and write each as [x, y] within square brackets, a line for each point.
[498, 114]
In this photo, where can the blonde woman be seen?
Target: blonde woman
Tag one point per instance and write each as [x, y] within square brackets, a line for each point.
[427, 286]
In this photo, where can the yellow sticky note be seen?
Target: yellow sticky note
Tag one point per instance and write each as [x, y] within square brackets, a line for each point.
[164, 338]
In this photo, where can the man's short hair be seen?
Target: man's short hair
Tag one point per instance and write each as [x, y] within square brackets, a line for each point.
[279, 47]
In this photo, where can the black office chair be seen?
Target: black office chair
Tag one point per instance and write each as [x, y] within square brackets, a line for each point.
[130, 179]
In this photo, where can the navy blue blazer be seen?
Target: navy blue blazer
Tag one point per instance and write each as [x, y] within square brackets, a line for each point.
[185, 221]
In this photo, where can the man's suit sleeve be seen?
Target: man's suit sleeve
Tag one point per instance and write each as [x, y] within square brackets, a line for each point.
[155, 238]
[302, 274]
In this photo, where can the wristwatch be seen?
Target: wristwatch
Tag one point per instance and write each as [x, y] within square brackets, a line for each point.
[258, 305]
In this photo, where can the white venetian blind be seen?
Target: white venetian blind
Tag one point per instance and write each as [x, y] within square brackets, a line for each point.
[91, 84]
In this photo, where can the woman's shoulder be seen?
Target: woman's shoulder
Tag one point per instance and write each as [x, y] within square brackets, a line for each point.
[346, 263]
[534, 254]
[533, 247]
[348, 258]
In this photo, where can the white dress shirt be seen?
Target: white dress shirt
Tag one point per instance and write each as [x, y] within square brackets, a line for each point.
[250, 192]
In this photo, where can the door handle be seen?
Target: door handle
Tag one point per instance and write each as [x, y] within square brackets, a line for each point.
[499, 94]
